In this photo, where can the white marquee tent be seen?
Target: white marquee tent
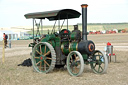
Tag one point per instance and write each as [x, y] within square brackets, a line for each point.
[11, 35]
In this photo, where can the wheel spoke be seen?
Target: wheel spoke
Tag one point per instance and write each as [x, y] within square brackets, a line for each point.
[44, 67]
[48, 58]
[71, 59]
[38, 63]
[95, 65]
[76, 69]
[40, 49]
[101, 68]
[47, 53]
[70, 64]
[46, 63]
[98, 54]
[72, 68]
[101, 57]
[78, 64]
[77, 58]
[38, 52]
[37, 57]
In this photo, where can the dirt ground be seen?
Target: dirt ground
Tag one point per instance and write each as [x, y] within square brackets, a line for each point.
[117, 73]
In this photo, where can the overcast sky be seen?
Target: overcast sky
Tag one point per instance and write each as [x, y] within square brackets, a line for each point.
[99, 11]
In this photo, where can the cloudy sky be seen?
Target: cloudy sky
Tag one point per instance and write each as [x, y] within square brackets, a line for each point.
[99, 11]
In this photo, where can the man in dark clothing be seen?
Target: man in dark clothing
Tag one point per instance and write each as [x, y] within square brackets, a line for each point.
[5, 39]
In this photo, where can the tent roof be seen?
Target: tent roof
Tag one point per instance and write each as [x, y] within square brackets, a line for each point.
[8, 32]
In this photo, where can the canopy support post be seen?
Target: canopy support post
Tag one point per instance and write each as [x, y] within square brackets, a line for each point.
[41, 27]
[67, 21]
[33, 29]
[59, 23]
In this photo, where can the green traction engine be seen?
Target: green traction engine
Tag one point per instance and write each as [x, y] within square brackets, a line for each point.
[67, 48]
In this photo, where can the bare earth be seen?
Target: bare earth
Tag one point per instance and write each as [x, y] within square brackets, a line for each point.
[117, 73]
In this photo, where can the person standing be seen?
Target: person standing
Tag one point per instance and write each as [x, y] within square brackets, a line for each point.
[9, 42]
[5, 37]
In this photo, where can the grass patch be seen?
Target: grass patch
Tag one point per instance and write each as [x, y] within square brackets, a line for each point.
[90, 27]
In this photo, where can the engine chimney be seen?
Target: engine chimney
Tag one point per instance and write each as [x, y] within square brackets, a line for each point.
[84, 21]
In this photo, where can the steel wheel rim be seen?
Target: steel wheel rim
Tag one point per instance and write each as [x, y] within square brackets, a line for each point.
[42, 58]
[99, 63]
[75, 64]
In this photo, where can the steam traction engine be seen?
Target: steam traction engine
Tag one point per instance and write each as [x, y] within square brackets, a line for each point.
[65, 48]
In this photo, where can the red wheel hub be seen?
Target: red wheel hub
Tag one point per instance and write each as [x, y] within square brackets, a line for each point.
[41, 57]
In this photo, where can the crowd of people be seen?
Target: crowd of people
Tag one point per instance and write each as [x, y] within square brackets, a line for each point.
[5, 37]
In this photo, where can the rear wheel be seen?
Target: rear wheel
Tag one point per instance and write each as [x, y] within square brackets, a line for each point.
[99, 62]
[75, 63]
[43, 57]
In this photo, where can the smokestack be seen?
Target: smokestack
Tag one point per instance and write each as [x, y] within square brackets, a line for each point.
[84, 21]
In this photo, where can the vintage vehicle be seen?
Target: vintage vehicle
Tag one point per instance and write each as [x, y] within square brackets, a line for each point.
[64, 47]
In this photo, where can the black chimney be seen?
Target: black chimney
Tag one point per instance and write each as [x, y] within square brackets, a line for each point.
[84, 21]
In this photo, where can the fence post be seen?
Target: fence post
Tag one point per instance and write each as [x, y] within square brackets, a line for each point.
[3, 52]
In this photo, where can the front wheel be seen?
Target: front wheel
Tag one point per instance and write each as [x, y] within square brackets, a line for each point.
[75, 63]
[99, 62]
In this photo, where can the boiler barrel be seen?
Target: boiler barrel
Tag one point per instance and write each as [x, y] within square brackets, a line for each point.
[86, 47]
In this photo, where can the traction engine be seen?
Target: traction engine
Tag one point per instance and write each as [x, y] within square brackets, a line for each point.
[65, 48]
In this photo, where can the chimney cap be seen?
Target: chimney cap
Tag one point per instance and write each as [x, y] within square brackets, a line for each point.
[84, 5]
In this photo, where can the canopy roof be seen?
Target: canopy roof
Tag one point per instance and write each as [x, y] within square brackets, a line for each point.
[54, 15]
